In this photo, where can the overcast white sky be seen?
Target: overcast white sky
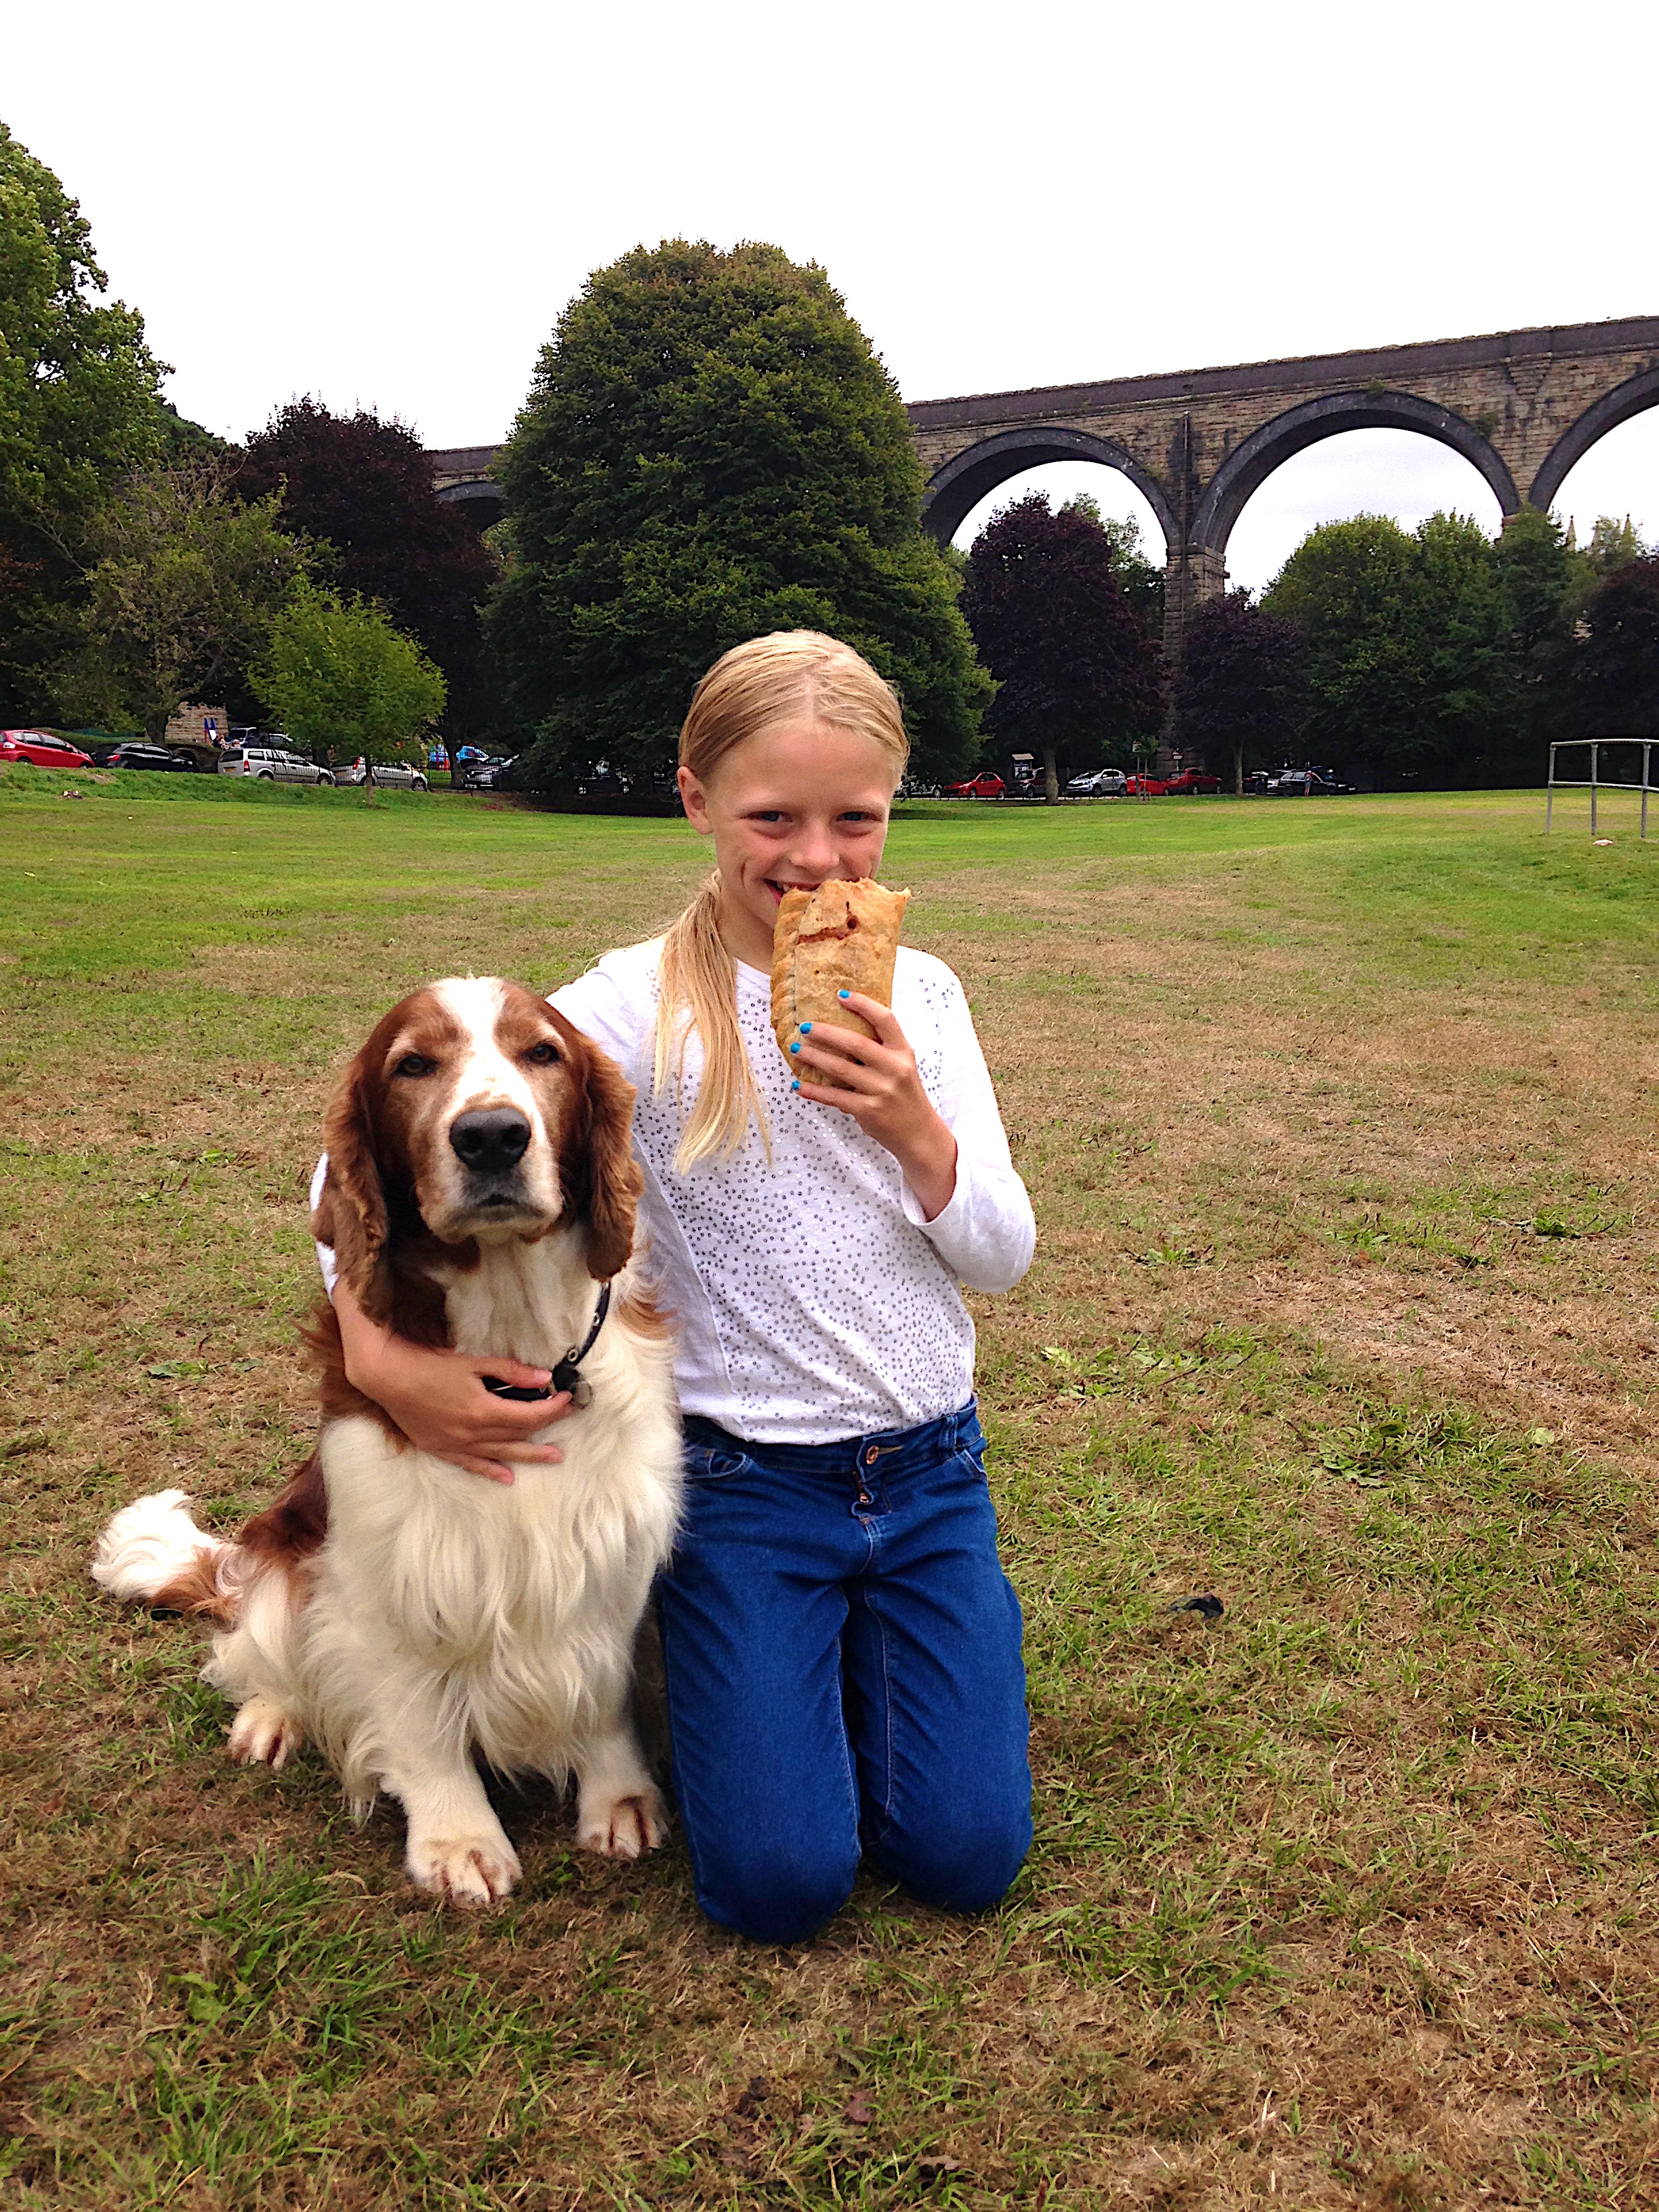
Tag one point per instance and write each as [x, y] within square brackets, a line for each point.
[390, 205]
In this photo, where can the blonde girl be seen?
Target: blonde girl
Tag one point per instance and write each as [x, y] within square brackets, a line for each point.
[843, 1647]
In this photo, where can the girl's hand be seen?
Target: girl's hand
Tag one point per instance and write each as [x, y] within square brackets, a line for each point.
[438, 1399]
[883, 1095]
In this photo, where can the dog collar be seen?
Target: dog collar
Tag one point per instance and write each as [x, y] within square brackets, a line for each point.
[567, 1374]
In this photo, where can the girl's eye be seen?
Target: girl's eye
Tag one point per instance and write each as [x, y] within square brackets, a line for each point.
[543, 1056]
[415, 1064]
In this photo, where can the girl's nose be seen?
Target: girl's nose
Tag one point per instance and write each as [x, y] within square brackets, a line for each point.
[814, 852]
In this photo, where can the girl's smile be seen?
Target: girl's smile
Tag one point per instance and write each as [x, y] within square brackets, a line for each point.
[788, 808]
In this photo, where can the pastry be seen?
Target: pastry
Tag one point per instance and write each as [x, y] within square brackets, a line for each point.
[840, 936]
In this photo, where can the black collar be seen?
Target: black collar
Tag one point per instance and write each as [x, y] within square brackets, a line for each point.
[567, 1374]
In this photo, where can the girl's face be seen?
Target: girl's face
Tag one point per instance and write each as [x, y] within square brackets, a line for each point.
[796, 804]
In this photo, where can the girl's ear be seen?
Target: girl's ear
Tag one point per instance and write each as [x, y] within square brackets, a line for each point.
[602, 1179]
[351, 1213]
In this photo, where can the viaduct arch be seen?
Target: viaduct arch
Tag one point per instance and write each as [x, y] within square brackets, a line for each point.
[1522, 406]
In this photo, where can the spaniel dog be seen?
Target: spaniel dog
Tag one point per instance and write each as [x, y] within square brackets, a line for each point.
[405, 1615]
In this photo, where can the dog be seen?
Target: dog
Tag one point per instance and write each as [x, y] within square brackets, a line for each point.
[408, 1617]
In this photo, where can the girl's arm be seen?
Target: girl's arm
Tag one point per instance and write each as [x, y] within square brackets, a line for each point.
[438, 1399]
[961, 1187]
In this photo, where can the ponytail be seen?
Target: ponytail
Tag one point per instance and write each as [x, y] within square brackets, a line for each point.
[696, 989]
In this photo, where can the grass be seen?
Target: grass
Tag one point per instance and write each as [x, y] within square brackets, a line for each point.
[1339, 1122]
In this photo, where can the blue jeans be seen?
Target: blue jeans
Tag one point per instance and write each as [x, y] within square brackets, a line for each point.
[843, 1658]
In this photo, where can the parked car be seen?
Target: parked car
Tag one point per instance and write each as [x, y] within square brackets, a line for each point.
[1194, 779]
[977, 786]
[133, 752]
[271, 764]
[42, 748]
[1099, 783]
[484, 774]
[1145, 787]
[1305, 783]
[917, 786]
[385, 775]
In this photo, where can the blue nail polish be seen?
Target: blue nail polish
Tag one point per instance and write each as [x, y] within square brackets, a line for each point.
[843, 995]
[795, 1086]
[804, 1027]
[794, 1047]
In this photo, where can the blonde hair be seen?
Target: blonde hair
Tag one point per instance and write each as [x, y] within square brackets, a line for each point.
[794, 674]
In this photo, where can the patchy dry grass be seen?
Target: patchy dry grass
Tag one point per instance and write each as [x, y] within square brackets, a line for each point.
[1341, 1123]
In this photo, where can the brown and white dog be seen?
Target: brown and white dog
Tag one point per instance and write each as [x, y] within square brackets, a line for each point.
[405, 1614]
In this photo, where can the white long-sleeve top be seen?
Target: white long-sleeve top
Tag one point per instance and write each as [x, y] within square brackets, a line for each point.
[811, 1298]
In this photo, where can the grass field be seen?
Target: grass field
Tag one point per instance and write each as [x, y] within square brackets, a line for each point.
[1339, 1120]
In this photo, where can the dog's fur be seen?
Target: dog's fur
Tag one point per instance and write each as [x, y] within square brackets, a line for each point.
[403, 1613]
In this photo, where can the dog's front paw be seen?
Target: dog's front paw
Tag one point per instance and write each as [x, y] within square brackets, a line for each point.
[263, 1734]
[621, 1827]
[478, 1870]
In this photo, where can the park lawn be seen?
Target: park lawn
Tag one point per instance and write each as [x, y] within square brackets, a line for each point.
[1339, 1120]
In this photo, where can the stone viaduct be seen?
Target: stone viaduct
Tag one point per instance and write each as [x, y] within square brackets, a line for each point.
[1521, 406]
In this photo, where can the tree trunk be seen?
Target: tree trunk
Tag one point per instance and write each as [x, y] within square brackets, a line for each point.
[1239, 771]
[1050, 776]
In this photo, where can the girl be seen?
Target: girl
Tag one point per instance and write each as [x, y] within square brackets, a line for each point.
[843, 1647]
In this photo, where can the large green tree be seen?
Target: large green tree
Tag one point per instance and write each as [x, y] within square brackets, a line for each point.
[1613, 673]
[711, 450]
[79, 410]
[1076, 670]
[180, 601]
[344, 680]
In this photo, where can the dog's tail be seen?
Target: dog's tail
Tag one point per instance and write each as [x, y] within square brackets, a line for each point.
[153, 1553]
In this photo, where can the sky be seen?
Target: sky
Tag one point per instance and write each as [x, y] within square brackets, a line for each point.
[389, 206]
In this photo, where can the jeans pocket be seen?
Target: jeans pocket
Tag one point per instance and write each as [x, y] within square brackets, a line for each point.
[713, 1463]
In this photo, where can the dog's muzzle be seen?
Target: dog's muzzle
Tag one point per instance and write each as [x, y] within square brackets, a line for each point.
[490, 1141]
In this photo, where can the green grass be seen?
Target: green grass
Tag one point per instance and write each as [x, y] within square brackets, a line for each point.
[1338, 1121]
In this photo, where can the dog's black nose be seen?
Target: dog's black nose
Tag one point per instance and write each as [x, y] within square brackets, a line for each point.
[491, 1140]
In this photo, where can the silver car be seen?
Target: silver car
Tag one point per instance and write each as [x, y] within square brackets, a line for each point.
[270, 764]
[385, 775]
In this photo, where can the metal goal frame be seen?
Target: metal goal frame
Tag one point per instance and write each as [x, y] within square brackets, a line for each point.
[1592, 783]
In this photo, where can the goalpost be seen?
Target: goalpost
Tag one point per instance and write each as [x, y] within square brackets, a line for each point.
[1592, 783]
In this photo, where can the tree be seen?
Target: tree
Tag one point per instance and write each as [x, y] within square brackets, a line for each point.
[1544, 582]
[343, 680]
[710, 450]
[78, 411]
[1142, 579]
[1241, 687]
[180, 601]
[1412, 656]
[363, 487]
[1075, 671]
[1613, 677]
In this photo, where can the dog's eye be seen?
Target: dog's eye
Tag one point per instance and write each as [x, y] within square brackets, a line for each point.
[415, 1063]
[543, 1056]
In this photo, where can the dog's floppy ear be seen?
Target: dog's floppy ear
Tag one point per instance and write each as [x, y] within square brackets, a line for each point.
[601, 1178]
[351, 1213]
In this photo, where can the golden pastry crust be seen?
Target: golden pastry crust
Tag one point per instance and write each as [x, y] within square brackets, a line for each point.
[841, 937]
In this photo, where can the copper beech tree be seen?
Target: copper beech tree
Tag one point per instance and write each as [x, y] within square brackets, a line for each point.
[1240, 689]
[1076, 672]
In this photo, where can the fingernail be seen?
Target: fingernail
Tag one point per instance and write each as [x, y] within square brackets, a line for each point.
[794, 1047]
[794, 1086]
[843, 995]
[804, 1027]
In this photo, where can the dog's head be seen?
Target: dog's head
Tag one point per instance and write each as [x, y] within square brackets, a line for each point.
[478, 1114]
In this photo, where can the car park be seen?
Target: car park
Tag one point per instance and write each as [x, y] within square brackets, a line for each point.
[134, 752]
[269, 763]
[1194, 779]
[385, 775]
[1099, 783]
[42, 749]
[977, 786]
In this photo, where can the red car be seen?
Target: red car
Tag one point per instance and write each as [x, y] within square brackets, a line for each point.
[1146, 786]
[979, 786]
[42, 748]
[1194, 779]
